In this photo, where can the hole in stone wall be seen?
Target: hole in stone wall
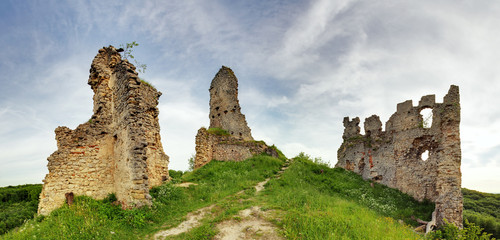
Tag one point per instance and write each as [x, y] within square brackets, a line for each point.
[425, 155]
[426, 114]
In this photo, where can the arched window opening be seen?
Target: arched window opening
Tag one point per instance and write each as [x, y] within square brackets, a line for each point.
[426, 114]
[425, 155]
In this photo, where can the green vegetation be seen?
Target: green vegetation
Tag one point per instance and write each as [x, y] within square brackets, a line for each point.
[280, 153]
[218, 131]
[450, 231]
[147, 83]
[318, 202]
[18, 204]
[92, 219]
[191, 162]
[310, 200]
[127, 53]
[483, 209]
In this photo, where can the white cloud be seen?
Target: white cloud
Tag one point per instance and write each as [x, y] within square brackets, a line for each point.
[302, 67]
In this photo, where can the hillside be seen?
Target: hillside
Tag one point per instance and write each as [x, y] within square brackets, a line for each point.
[307, 200]
[483, 209]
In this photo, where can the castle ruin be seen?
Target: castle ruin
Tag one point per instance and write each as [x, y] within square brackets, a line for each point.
[394, 157]
[233, 141]
[118, 150]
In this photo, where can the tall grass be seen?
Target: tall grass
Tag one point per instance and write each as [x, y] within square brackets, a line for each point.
[318, 202]
[92, 219]
[309, 201]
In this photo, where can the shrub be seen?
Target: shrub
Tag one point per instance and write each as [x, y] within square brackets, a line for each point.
[450, 232]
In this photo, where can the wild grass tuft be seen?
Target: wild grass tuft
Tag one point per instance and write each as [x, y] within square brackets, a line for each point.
[218, 131]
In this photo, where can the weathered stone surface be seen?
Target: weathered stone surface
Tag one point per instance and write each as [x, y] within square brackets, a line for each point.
[225, 113]
[394, 157]
[118, 150]
[225, 110]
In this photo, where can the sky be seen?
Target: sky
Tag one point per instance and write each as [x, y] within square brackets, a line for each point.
[302, 67]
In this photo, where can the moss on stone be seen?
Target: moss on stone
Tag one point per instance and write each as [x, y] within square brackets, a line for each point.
[218, 131]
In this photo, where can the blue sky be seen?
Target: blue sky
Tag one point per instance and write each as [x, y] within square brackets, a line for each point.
[302, 66]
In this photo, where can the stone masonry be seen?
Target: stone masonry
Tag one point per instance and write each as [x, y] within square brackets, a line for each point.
[394, 157]
[118, 150]
[225, 113]
[225, 110]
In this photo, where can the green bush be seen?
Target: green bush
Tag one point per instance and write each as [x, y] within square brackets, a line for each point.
[18, 204]
[483, 209]
[450, 232]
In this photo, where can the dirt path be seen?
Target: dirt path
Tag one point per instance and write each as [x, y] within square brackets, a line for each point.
[192, 220]
[251, 224]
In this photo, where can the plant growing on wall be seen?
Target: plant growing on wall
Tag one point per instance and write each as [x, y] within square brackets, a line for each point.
[127, 54]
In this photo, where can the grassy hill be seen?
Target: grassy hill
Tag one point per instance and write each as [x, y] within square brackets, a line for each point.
[483, 209]
[308, 201]
[18, 204]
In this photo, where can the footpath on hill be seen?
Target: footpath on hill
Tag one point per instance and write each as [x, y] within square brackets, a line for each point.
[249, 223]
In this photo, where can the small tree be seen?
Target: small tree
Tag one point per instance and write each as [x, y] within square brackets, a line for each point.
[191, 162]
[127, 53]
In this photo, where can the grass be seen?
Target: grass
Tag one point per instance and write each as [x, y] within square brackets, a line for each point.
[92, 219]
[147, 84]
[318, 202]
[309, 201]
[218, 131]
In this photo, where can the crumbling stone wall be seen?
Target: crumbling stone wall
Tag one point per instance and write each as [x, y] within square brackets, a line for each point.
[118, 150]
[225, 113]
[394, 157]
[225, 110]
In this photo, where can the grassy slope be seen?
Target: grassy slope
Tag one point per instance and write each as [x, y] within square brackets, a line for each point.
[91, 219]
[318, 202]
[483, 209]
[309, 201]
[18, 204]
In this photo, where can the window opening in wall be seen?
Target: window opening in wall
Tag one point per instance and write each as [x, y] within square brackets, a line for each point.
[426, 117]
[425, 155]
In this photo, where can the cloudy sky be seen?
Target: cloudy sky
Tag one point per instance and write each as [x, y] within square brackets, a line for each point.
[302, 66]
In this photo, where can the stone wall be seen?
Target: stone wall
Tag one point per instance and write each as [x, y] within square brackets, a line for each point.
[118, 150]
[225, 110]
[394, 157]
[225, 113]
[211, 146]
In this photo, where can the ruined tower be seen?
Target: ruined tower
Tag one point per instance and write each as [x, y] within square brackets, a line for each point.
[118, 150]
[225, 110]
[394, 157]
[229, 138]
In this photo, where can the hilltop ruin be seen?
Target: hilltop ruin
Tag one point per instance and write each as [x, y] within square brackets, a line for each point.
[118, 150]
[394, 157]
[228, 138]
